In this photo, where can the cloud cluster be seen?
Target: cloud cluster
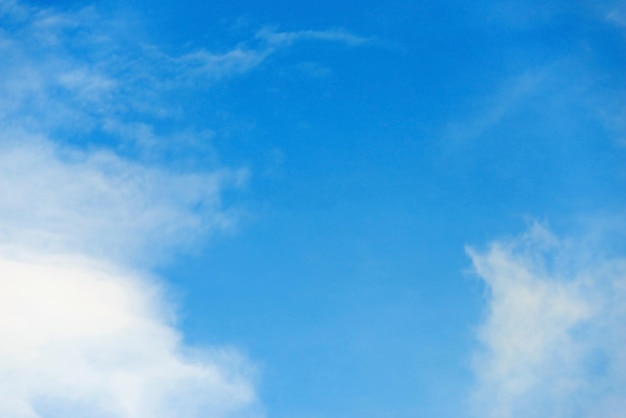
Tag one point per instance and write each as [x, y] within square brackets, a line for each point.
[85, 330]
[81, 332]
[553, 336]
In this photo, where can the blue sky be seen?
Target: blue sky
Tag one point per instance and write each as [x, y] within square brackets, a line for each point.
[293, 210]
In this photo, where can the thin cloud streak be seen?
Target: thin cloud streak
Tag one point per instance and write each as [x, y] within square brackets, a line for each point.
[275, 38]
[243, 58]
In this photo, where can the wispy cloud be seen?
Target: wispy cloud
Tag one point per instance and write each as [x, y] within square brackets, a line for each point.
[217, 66]
[276, 38]
[617, 16]
[525, 14]
[83, 72]
[244, 58]
[568, 94]
[553, 336]
[85, 329]
[494, 109]
[59, 198]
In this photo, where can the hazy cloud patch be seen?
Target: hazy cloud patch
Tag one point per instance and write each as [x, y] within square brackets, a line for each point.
[551, 341]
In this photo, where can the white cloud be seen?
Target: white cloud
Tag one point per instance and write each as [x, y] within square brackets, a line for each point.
[80, 334]
[85, 330]
[553, 336]
[59, 198]
[83, 339]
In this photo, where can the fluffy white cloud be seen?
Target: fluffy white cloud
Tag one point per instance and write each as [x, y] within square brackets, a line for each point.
[81, 335]
[84, 339]
[553, 336]
[85, 330]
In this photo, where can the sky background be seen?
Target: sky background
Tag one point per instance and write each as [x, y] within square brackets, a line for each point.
[312, 210]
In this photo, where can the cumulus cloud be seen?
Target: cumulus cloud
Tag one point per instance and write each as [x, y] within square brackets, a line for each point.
[82, 333]
[85, 329]
[553, 335]
[81, 338]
